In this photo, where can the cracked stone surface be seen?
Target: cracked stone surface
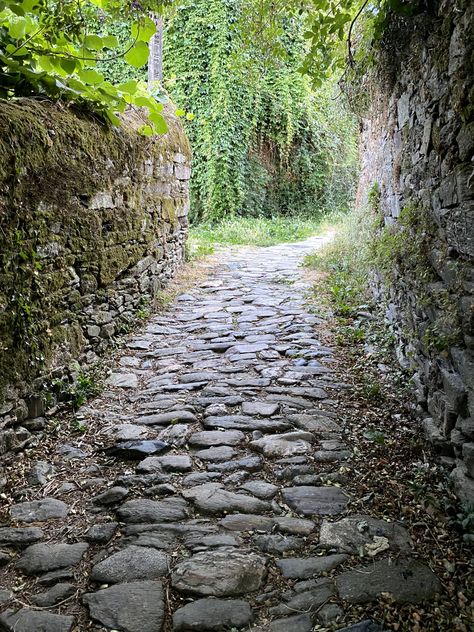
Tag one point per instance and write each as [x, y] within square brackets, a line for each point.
[209, 494]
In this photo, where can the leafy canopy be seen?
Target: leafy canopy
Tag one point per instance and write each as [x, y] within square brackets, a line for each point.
[47, 48]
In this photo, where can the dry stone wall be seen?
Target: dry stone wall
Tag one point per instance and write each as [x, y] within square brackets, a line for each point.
[417, 157]
[93, 224]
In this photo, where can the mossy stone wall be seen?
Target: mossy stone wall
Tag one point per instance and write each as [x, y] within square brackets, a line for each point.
[417, 149]
[93, 222]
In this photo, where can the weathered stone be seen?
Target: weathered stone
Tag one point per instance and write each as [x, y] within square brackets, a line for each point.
[215, 454]
[264, 409]
[213, 498]
[40, 473]
[26, 620]
[129, 564]
[212, 615]
[304, 567]
[39, 558]
[162, 419]
[278, 543]
[284, 445]
[407, 581]
[216, 437]
[169, 463]
[297, 623]
[101, 532]
[39, 510]
[356, 534]
[245, 422]
[123, 380]
[111, 496]
[307, 601]
[260, 489]
[220, 573]
[129, 607]
[54, 595]
[142, 510]
[136, 449]
[363, 626]
[21, 536]
[315, 500]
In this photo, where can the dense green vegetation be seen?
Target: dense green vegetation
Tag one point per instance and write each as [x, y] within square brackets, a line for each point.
[264, 142]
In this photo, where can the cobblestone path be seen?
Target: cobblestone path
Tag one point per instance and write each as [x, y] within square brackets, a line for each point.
[207, 491]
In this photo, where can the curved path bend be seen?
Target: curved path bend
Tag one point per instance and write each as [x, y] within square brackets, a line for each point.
[206, 491]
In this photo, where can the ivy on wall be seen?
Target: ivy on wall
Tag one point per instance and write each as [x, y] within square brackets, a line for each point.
[262, 141]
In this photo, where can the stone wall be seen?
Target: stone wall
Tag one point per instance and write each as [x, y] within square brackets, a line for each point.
[93, 223]
[417, 148]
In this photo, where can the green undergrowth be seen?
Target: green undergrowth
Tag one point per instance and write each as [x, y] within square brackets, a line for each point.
[249, 231]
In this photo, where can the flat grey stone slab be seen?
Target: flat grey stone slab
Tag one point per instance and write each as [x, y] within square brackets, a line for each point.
[20, 536]
[220, 573]
[211, 438]
[167, 462]
[364, 535]
[129, 607]
[264, 409]
[129, 564]
[212, 615]
[260, 489]
[39, 510]
[407, 581]
[150, 511]
[306, 601]
[314, 423]
[278, 543]
[123, 380]
[162, 419]
[26, 620]
[136, 449]
[54, 595]
[308, 500]
[298, 623]
[214, 499]
[305, 567]
[284, 445]
[245, 422]
[39, 558]
[215, 454]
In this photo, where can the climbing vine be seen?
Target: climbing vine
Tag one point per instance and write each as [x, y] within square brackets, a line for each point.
[263, 142]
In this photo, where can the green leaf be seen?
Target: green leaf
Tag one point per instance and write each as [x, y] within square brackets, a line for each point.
[145, 130]
[93, 42]
[144, 29]
[69, 65]
[91, 77]
[159, 122]
[138, 55]
[17, 28]
[110, 41]
[113, 118]
[130, 87]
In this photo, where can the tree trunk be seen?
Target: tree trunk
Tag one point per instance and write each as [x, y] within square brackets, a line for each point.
[155, 60]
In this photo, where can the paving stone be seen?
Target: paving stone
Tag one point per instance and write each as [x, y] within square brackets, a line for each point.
[54, 595]
[220, 573]
[284, 445]
[126, 432]
[214, 499]
[250, 463]
[260, 489]
[309, 500]
[136, 449]
[305, 567]
[363, 626]
[144, 510]
[129, 564]
[208, 615]
[129, 607]
[408, 581]
[218, 453]
[245, 422]
[264, 409]
[216, 437]
[308, 601]
[20, 536]
[5, 596]
[278, 543]
[162, 419]
[39, 558]
[247, 522]
[314, 423]
[101, 533]
[40, 473]
[26, 620]
[298, 623]
[53, 577]
[168, 463]
[123, 380]
[361, 534]
[111, 496]
[39, 510]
